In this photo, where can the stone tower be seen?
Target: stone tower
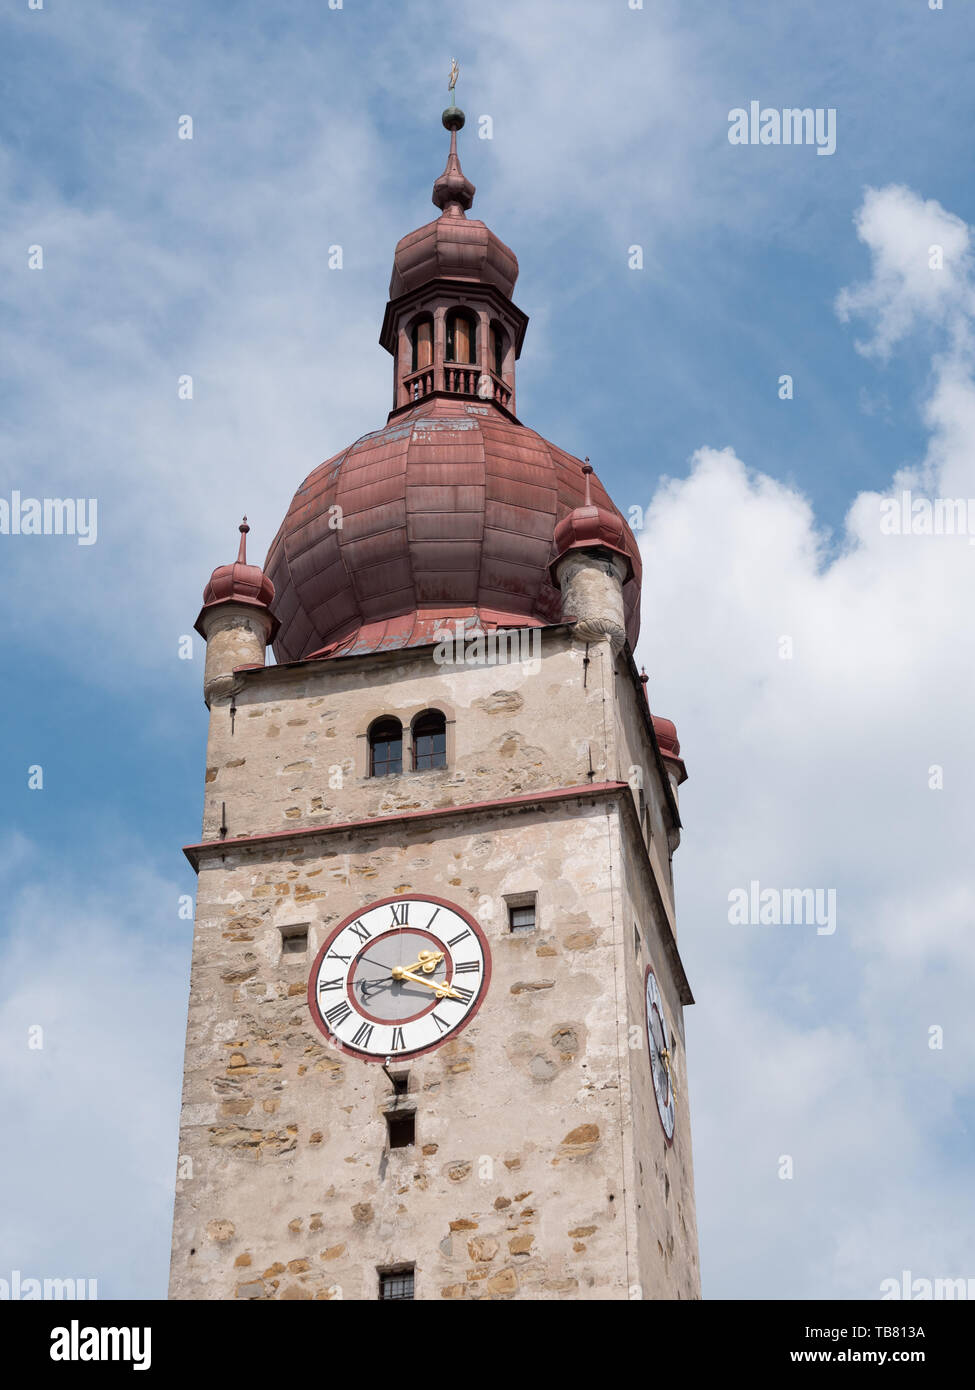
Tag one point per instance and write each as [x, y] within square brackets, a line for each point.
[435, 1046]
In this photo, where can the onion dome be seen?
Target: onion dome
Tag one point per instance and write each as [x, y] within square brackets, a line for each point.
[238, 583]
[592, 527]
[666, 732]
[453, 247]
[448, 512]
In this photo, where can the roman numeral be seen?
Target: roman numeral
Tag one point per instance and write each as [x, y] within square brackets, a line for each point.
[467, 967]
[444, 1027]
[363, 933]
[466, 995]
[433, 918]
[337, 1014]
[399, 1042]
[334, 955]
[460, 936]
[361, 1038]
[401, 913]
[323, 985]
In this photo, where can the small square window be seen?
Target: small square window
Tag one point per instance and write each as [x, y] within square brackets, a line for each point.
[521, 917]
[294, 940]
[401, 1126]
[401, 1082]
[396, 1284]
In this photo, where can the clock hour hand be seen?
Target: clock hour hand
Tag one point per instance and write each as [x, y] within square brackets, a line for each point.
[427, 961]
[442, 990]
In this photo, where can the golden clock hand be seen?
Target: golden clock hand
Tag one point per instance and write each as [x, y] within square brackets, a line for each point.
[427, 961]
[441, 989]
[665, 1058]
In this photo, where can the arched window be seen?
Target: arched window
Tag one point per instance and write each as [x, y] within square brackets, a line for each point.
[461, 344]
[385, 748]
[429, 740]
[422, 340]
[497, 348]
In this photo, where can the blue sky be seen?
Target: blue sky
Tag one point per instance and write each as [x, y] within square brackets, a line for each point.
[315, 127]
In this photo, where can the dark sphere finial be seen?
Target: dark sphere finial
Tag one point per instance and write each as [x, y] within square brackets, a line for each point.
[453, 118]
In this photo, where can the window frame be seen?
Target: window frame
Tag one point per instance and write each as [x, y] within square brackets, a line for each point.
[374, 738]
[432, 714]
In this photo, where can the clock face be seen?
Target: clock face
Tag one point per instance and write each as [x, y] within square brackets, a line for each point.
[399, 978]
[658, 1038]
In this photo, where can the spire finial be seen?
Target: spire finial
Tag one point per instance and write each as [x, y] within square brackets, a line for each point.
[243, 528]
[587, 474]
[453, 193]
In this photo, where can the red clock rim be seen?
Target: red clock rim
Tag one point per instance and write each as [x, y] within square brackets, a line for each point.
[340, 1046]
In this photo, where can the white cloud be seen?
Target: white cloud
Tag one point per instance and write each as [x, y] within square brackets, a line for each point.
[813, 772]
[910, 284]
[93, 1113]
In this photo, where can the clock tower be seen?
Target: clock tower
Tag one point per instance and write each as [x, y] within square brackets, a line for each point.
[435, 1046]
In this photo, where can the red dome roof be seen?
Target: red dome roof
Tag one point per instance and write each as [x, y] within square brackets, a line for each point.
[453, 248]
[448, 511]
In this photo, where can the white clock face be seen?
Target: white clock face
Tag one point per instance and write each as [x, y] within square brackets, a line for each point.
[399, 978]
[658, 1037]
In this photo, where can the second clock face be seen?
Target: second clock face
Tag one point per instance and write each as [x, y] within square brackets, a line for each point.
[399, 978]
[658, 1037]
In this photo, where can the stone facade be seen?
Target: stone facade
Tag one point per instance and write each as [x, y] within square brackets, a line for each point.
[540, 1167]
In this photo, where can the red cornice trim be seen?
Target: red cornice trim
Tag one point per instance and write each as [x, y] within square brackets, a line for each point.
[195, 852]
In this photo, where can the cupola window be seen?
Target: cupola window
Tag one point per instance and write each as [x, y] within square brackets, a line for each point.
[422, 338]
[461, 344]
[497, 349]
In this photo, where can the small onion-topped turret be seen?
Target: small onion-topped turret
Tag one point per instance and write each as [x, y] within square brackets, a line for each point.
[592, 564]
[235, 621]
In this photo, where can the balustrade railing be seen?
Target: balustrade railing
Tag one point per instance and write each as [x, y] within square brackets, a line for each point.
[461, 379]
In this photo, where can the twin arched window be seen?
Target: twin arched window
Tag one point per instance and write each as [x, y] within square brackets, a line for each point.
[428, 744]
